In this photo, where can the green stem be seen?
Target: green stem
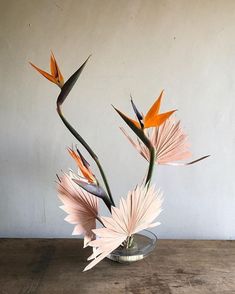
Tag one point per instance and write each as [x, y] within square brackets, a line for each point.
[98, 218]
[151, 165]
[89, 150]
[105, 180]
[129, 241]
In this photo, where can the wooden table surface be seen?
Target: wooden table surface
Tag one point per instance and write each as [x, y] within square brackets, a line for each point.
[176, 267]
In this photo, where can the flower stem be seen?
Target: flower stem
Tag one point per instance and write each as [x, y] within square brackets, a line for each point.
[89, 150]
[152, 159]
[98, 218]
[128, 242]
[105, 180]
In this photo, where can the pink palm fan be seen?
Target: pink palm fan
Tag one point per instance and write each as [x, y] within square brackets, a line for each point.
[81, 206]
[170, 143]
[134, 214]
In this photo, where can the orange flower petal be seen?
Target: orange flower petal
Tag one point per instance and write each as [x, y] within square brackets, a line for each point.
[60, 77]
[85, 171]
[157, 120]
[45, 74]
[53, 67]
[153, 111]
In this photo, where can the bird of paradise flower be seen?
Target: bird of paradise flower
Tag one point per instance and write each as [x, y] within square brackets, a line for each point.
[80, 192]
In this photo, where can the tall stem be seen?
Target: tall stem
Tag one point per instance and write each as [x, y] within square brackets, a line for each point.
[89, 150]
[98, 218]
[104, 179]
[152, 152]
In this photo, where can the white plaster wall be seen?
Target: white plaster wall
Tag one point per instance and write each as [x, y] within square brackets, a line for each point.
[186, 47]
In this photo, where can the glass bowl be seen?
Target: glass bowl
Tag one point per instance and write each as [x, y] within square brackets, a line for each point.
[143, 244]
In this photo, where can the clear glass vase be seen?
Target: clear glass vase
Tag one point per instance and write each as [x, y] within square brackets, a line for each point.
[142, 244]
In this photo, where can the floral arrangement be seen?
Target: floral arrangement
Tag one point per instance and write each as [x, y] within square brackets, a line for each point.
[160, 139]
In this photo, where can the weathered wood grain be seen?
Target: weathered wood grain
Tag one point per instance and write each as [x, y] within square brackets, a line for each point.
[176, 267]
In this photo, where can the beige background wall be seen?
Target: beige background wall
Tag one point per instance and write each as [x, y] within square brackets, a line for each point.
[139, 47]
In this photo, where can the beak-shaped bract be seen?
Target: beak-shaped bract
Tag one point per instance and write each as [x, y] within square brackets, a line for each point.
[55, 76]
